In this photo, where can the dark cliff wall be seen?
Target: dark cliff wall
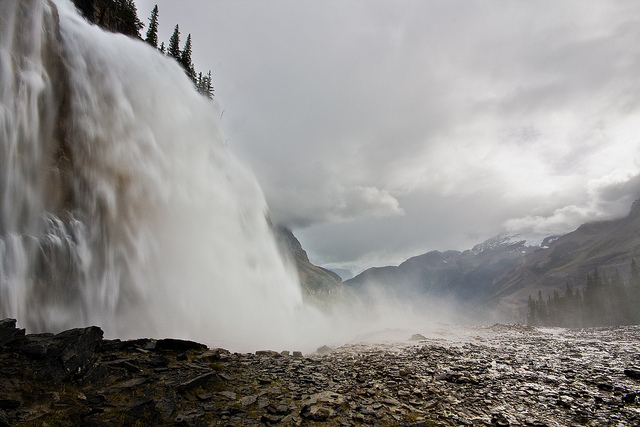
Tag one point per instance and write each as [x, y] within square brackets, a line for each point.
[315, 281]
[117, 16]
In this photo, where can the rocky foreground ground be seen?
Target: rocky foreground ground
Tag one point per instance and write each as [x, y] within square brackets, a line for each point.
[500, 375]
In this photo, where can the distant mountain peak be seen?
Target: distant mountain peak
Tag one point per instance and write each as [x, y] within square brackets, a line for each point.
[515, 242]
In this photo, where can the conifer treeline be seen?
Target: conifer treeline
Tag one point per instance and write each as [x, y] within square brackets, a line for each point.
[202, 82]
[604, 301]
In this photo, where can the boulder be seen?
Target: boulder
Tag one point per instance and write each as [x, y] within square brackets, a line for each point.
[8, 331]
[171, 344]
[67, 355]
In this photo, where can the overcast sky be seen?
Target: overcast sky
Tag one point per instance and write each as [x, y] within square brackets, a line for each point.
[381, 130]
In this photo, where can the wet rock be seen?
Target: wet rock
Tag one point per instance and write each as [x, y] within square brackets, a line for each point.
[4, 419]
[189, 418]
[248, 400]
[8, 404]
[66, 355]
[167, 404]
[8, 331]
[171, 344]
[633, 372]
[271, 418]
[324, 350]
[228, 394]
[270, 353]
[143, 408]
[508, 376]
[215, 354]
[317, 413]
[195, 382]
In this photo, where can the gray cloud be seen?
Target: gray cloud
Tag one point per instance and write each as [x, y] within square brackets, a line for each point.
[390, 128]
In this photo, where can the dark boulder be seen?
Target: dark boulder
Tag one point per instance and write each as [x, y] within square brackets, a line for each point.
[8, 331]
[67, 355]
[171, 344]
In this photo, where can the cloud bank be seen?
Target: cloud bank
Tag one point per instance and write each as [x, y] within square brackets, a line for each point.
[380, 130]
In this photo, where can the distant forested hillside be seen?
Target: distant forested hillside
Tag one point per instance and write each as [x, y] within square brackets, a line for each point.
[604, 301]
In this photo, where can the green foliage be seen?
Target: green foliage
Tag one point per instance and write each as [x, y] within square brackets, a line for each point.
[129, 13]
[605, 301]
[174, 44]
[202, 83]
[152, 31]
[185, 60]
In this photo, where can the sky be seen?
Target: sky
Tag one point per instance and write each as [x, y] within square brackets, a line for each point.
[380, 130]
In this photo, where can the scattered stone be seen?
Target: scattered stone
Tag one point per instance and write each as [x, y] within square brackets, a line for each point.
[4, 419]
[204, 396]
[391, 401]
[171, 344]
[324, 350]
[167, 404]
[9, 404]
[633, 372]
[195, 382]
[143, 408]
[214, 355]
[270, 353]
[228, 394]
[270, 418]
[248, 400]
[189, 418]
[317, 413]
[297, 354]
[417, 337]
[505, 376]
[132, 383]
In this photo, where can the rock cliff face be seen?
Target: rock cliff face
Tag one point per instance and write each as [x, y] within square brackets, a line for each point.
[316, 281]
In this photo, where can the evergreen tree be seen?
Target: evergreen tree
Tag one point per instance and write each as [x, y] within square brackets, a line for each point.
[619, 300]
[162, 49]
[531, 312]
[634, 293]
[174, 44]
[152, 32]
[130, 23]
[185, 60]
[208, 88]
[204, 86]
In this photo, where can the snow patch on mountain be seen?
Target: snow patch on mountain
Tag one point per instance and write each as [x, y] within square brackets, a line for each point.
[515, 242]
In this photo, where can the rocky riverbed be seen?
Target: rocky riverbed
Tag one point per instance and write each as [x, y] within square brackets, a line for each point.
[499, 375]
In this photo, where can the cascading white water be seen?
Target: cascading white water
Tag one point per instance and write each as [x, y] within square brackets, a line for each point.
[121, 204]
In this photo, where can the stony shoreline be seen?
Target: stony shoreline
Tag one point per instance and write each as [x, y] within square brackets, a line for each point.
[500, 375]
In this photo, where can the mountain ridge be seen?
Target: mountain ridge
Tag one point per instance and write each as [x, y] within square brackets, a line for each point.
[500, 273]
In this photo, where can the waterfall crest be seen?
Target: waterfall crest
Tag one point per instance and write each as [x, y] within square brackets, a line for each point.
[122, 206]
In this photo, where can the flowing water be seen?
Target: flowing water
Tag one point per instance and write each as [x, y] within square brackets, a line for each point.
[122, 206]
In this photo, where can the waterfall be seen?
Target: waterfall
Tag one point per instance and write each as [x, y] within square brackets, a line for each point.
[122, 206]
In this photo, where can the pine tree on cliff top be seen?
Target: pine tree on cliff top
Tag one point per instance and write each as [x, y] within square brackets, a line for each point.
[174, 44]
[185, 60]
[152, 32]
